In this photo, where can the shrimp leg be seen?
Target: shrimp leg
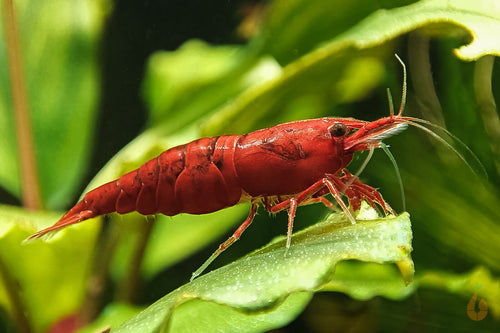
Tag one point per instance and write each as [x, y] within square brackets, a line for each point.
[234, 237]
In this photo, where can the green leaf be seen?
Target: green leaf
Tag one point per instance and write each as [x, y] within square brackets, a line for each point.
[51, 275]
[199, 315]
[478, 280]
[195, 80]
[173, 90]
[364, 281]
[293, 28]
[467, 224]
[59, 45]
[346, 63]
[113, 315]
[365, 41]
[189, 81]
[480, 19]
[176, 238]
[272, 277]
[172, 239]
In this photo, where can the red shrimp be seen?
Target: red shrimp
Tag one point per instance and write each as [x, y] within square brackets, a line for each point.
[280, 167]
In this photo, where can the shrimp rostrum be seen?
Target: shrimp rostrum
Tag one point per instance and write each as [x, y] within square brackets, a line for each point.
[280, 167]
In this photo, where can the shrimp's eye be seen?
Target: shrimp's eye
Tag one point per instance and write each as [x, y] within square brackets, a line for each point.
[338, 129]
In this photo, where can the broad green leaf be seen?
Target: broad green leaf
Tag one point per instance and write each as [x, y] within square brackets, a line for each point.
[292, 28]
[479, 280]
[262, 282]
[457, 213]
[172, 239]
[480, 19]
[166, 76]
[455, 210]
[175, 238]
[183, 86]
[200, 315]
[113, 315]
[364, 281]
[59, 45]
[467, 222]
[282, 98]
[366, 40]
[50, 275]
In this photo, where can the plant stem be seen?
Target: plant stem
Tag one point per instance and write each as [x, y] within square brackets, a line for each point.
[98, 280]
[487, 106]
[128, 290]
[421, 77]
[29, 176]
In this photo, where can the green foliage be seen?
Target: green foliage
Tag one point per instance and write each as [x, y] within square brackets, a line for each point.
[45, 270]
[60, 67]
[307, 59]
[262, 283]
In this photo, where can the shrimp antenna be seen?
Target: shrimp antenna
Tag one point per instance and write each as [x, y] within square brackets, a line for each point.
[365, 162]
[476, 166]
[361, 168]
[405, 86]
[386, 150]
[391, 105]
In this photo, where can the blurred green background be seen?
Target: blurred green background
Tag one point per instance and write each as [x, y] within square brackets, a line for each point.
[112, 84]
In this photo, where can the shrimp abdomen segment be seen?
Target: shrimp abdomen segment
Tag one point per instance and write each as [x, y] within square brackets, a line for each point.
[208, 182]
